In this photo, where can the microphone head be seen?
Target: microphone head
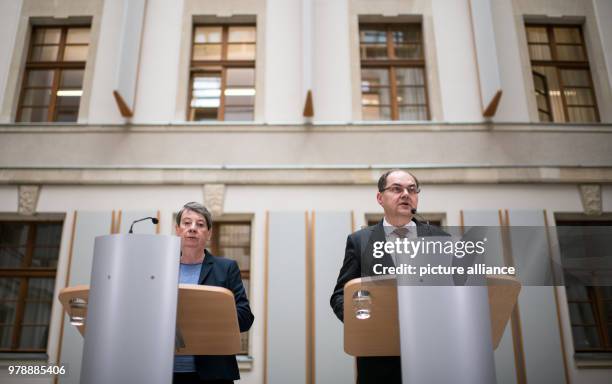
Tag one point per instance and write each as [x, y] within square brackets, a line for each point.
[154, 220]
[413, 210]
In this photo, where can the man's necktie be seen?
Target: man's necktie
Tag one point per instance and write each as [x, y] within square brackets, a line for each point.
[401, 232]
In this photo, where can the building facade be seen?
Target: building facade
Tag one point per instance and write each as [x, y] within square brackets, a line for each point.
[280, 116]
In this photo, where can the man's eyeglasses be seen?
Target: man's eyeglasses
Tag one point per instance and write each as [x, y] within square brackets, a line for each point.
[397, 189]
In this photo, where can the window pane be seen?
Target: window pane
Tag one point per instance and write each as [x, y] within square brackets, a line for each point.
[581, 313]
[570, 53]
[409, 76]
[582, 115]
[66, 115]
[34, 337]
[240, 254]
[373, 36]
[411, 95]
[207, 52]
[208, 35]
[376, 96]
[48, 234]
[241, 34]
[206, 91]
[244, 343]
[241, 51]
[40, 78]
[44, 53]
[235, 235]
[544, 116]
[554, 92]
[76, 52]
[412, 113]
[539, 52]
[567, 35]
[408, 51]
[205, 114]
[244, 101]
[373, 51]
[537, 35]
[12, 257]
[37, 312]
[40, 288]
[578, 96]
[45, 257]
[576, 292]
[72, 78]
[241, 77]
[542, 103]
[34, 115]
[608, 312]
[575, 77]
[7, 311]
[68, 101]
[375, 113]
[37, 97]
[373, 78]
[407, 34]
[238, 113]
[6, 336]
[13, 233]
[585, 337]
[9, 288]
[206, 96]
[78, 36]
[47, 35]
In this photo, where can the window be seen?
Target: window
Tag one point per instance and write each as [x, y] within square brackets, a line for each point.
[561, 74]
[586, 257]
[222, 81]
[28, 264]
[53, 79]
[393, 81]
[233, 240]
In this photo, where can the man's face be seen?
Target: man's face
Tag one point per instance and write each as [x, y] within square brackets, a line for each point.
[193, 231]
[395, 203]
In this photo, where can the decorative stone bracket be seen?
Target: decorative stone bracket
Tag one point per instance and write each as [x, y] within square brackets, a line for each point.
[28, 199]
[214, 197]
[590, 194]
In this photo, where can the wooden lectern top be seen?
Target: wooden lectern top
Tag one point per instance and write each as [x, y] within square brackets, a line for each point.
[206, 318]
[379, 335]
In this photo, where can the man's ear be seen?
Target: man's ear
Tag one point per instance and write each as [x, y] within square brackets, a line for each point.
[379, 198]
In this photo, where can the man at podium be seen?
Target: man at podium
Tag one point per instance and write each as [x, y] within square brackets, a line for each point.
[398, 194]
[199, 266]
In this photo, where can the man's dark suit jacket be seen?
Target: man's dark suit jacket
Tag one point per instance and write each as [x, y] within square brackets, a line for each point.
[358, 262]
[222, 272]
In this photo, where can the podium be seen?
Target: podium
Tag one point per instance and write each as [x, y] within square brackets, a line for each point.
[134, 316]
[380, 335]
[210, 329]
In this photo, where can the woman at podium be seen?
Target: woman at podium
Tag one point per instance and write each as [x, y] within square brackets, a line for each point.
[199, 266]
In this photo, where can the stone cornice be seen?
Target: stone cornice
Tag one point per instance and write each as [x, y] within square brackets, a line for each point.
[299, 175]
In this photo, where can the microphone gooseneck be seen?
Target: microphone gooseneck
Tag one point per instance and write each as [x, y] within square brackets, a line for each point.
[153, 219]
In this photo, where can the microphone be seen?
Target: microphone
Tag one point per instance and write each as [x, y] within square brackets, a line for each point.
[153, 219]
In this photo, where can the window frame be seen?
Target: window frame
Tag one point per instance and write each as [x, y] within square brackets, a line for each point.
[56, 66]
[560, 65]
[595, 298]
[218, 66]
[25, 272]
[390, 63]
[213, 247]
